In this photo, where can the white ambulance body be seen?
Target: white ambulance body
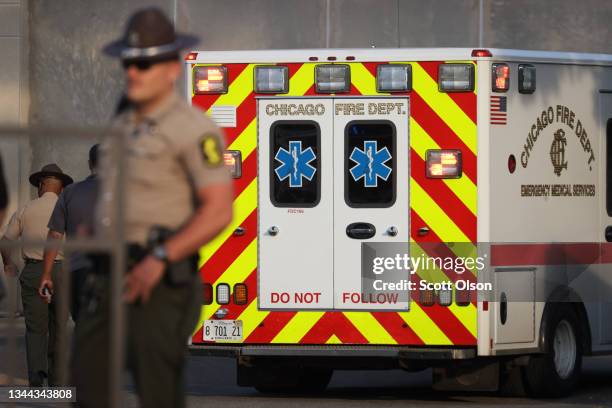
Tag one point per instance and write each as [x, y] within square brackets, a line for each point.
[506, 150]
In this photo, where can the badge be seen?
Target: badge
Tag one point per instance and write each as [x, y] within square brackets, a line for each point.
[211, 151]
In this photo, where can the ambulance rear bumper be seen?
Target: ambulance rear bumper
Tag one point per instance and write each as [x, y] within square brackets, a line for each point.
[394, 352]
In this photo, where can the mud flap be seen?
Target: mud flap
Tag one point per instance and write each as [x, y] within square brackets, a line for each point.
[477, 376]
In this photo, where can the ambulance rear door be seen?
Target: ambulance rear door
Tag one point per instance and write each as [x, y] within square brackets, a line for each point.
[295, 203]
[371, 183]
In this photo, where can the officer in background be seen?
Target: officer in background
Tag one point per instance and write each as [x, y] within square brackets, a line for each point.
[73, 215]
[30, 224]
[178, 195]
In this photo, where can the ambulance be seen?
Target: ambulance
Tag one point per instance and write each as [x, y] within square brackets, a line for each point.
[504, 151]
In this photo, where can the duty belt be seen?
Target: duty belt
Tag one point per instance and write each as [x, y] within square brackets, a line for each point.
[36, 261]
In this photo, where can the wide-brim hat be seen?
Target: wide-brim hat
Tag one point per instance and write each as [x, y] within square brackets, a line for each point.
[50, 170]
[149, 35]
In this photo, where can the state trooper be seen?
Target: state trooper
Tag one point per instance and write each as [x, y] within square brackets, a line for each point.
[29, 223]
[178, 196]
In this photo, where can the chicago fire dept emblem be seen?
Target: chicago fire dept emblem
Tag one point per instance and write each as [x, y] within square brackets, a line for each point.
[557, 152]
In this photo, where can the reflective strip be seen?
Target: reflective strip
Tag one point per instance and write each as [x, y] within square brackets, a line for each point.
[444, 106]
[463, 187]
[238, 271]
[467, 315]
[433, 215]
[239, 89]
[244, 204]
[251, 317]
[247, 141]
[423, 326]
[333, 340]
[363, 80]
[297, 327]
[370, 328]
[302, 80]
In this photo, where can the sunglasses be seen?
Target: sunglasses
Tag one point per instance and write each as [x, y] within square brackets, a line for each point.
[141, 65]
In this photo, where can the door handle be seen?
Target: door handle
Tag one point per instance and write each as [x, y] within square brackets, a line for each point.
[609, 233]
[360, 230]
[273, 230]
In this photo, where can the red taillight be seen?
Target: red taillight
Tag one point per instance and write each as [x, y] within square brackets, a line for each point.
[481, 53]
[427, 297]
[207, 294]
[501, 77]
[192, 56]
[240, 294]
[209, 79]
[462, 297]
[443, 163]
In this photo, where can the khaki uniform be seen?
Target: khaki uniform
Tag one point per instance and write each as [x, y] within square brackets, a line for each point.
[173, 152]
[30, 224]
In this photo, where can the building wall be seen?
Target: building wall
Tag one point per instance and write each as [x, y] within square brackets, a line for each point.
[72, 84]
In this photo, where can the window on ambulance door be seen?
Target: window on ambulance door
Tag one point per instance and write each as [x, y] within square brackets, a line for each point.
[369, 164]
[295, 164]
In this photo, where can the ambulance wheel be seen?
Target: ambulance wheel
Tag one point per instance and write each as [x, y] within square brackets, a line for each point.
[555, 373]
[303, 380]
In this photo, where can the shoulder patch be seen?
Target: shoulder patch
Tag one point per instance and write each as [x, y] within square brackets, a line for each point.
[211, 150]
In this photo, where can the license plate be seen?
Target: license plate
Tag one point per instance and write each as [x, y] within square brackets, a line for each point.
[222, 330]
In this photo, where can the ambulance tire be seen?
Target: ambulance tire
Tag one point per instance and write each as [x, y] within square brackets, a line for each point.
[555, 373]
[304, 380]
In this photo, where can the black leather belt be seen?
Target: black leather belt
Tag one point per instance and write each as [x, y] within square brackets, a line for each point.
[35, 261]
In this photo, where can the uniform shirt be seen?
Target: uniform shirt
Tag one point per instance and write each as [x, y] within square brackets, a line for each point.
[173, 152]
[29, 223]
[75, 209]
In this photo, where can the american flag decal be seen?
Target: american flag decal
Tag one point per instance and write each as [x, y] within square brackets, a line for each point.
[499, 110]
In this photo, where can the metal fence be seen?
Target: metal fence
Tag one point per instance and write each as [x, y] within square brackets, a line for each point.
[112, 244]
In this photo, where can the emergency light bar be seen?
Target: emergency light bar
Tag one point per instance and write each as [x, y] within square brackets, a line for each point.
[443, 163]
[209, 80]
[233, 159]
[526, 78]
[501, 77]
[455, 77]
[332, 78]
[272, 79]
[393, 78]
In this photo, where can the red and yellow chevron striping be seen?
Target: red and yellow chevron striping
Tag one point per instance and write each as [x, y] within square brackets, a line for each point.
[447, 207]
